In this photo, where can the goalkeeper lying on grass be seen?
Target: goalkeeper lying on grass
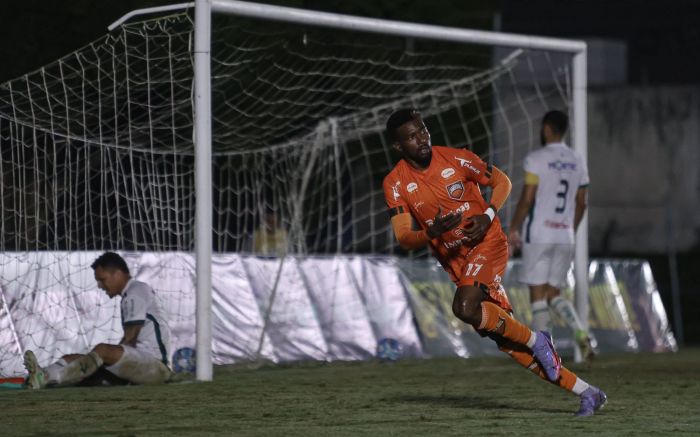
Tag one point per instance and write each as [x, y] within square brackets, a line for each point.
[140, 357]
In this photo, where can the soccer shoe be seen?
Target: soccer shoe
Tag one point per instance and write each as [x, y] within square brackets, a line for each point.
[592, 400]
[36, 378]
[546, 355]
[585, 344]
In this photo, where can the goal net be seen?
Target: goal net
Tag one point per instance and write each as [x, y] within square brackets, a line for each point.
[97, 154]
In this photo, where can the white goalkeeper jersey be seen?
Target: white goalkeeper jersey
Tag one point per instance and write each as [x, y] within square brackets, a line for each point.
[140, 307]
[560, 172]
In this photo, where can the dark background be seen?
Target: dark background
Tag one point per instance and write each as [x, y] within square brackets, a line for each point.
[662, 38]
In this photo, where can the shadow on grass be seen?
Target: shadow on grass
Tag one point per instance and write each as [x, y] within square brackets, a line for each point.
[473, 402]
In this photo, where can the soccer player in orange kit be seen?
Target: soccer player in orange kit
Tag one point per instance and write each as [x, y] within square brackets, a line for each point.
[435, 190]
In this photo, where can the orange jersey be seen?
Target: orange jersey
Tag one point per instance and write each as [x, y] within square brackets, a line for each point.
[451, 184]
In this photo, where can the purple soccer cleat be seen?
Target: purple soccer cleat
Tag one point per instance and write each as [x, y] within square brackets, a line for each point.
[547, 356]
[592, 400]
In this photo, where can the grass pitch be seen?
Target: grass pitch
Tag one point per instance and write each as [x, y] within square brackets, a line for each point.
[650, 394]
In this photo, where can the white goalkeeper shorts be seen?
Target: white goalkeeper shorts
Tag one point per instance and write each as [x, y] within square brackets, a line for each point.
[139, 367]
[546, 264]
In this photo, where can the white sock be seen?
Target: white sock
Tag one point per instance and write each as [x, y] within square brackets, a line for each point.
[541, 319]
[566, 311]
[77, 370]
[532, 340]
[580, 386]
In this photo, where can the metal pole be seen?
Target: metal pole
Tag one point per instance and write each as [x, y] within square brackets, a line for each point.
[675, 283]
[388, 27]
[203, 185]
[580, 144]
[671, 254]
[145, 11]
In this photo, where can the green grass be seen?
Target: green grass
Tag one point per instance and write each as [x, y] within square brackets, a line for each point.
[652, 394]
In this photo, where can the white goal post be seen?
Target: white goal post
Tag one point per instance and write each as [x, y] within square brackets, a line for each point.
[203, 11]
[238, 149]
[203, 104]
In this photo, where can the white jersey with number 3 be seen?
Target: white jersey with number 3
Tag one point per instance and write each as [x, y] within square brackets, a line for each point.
[560, 172]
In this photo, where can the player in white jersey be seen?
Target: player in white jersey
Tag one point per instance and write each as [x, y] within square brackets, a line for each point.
[141, 357]
[546, 217]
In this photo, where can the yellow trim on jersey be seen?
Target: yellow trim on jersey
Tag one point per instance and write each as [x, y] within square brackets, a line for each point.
[531, 178]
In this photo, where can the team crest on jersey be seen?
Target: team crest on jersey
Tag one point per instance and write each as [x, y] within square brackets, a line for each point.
[455, 190]
[412, 187]
[446, 173]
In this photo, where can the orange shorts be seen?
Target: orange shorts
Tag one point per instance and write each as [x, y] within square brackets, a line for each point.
[483, 266]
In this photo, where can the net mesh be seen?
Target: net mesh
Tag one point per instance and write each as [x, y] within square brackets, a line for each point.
[97, 150]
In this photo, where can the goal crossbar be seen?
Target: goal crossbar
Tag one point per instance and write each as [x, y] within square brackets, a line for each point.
[202, 110]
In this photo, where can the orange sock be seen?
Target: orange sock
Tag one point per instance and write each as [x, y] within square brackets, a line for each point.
[495, 318]
[524, 357]
[567, 379]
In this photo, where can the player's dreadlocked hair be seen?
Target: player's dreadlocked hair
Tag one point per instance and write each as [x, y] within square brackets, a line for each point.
[397, 119]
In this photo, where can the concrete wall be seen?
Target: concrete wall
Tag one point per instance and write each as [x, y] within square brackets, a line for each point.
[644, 154]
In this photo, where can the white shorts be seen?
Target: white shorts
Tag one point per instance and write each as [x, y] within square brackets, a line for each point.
[546, 264]
[139, 367]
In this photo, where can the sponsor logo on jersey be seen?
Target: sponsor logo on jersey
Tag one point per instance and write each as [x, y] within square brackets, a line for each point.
[468, 164]
[500, 290]
[462, 208]
[395, 190]
[455, 243]
[560, 165]
[455, 190]
[556, 225]
[481, 257]
[446, 173]
[412, 187]
[417, 205]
